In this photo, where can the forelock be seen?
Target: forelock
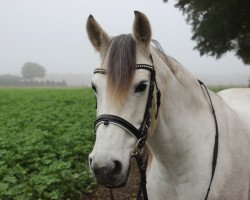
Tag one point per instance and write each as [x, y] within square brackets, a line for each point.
[121, 60]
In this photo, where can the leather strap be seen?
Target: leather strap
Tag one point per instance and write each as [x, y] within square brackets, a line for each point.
[216, 141]
[113, 119]
[142, 165]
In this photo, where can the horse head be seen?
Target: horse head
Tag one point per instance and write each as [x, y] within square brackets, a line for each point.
[122, 88]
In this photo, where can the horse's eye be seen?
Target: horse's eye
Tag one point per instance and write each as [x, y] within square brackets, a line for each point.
[141, 87]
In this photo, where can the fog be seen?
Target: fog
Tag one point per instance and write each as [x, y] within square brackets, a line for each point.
[52, 33]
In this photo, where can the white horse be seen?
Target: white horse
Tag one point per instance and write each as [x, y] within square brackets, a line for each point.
[181, 140]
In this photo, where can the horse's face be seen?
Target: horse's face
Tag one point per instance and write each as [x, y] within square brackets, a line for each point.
[110, 158]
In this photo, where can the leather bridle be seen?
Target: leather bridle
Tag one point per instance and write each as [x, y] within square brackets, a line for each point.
[141, 133]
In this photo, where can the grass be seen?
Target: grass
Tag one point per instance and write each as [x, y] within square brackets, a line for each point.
[45, 138]
[218, 88]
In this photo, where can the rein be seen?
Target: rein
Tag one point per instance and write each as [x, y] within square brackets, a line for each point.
[216, 140]
[141, 133]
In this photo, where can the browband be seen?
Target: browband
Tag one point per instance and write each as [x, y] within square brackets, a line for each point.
[138, 66]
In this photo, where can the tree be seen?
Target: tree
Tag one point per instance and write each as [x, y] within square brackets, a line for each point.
[219, 26]
[32, 70]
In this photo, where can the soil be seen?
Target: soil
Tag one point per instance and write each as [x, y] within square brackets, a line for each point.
[126, 193]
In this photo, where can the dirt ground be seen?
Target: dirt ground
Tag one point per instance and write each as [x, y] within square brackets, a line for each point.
[126, 193]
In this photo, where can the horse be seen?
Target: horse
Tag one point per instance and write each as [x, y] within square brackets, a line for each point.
[181, 137]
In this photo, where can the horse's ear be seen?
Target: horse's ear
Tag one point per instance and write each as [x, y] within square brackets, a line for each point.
[96, 34]
[141, 29]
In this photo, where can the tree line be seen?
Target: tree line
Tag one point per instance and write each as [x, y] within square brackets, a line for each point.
[30, 72]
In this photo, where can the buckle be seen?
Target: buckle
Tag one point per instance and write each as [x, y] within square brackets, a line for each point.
[139, 147]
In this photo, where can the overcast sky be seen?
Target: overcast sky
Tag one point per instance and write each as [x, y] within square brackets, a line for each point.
[52, 33]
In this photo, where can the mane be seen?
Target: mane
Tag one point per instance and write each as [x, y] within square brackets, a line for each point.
[121, 59]
[167, 59]
[183, 75]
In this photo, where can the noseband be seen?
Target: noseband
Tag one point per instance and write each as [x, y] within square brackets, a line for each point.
[141, 133]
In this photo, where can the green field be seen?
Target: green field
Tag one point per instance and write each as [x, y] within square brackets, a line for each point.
[45, 138]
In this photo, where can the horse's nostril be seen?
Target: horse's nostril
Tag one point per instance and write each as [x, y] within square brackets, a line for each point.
[118, 167]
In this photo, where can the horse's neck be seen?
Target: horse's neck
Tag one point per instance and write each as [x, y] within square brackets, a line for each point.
[183, 132]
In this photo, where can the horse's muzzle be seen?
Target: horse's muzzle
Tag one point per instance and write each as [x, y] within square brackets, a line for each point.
[108, 174]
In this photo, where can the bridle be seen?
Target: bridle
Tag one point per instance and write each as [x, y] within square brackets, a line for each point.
[141, 133]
